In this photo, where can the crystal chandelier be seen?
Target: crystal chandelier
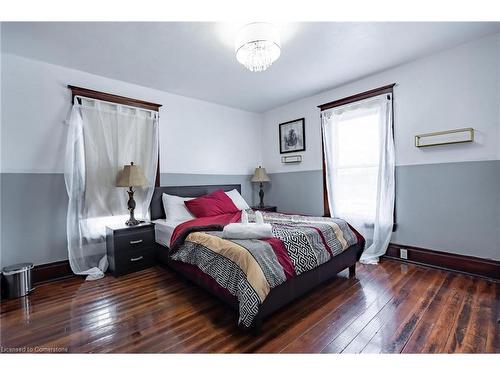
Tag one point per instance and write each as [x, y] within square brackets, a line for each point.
[258, 46]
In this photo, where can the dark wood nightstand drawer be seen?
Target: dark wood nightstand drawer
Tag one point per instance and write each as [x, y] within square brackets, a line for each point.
[134, 260]
[135, 239]
[130, 249]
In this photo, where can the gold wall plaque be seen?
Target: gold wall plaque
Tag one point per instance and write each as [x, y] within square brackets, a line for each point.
[446, 137]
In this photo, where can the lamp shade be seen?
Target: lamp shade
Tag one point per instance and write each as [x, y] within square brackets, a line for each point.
[260, 175]
[131, 176]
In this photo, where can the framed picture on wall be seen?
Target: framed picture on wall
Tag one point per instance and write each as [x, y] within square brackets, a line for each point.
[292, 136]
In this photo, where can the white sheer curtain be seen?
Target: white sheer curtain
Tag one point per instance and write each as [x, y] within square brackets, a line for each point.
[102, 138]
[359, 159]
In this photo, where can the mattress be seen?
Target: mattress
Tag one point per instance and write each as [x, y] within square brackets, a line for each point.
[163, 231]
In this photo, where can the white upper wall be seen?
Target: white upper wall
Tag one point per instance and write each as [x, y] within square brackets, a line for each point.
[195, 136]
[456, 88]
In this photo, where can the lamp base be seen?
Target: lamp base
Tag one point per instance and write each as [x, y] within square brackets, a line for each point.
[131, 207]
[261, 196]
[132, 222]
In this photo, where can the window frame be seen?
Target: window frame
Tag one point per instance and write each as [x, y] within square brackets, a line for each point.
[388, 89]
[99, 95]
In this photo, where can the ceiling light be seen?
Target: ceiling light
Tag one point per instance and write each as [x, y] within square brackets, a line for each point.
[258, 46]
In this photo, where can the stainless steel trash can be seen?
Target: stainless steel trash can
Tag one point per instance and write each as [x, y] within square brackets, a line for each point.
[17, 280]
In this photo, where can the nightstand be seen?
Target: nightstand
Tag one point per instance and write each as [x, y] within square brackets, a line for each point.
[130, 249]
[265, 208]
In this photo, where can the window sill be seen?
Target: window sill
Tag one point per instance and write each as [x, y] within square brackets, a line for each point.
[371, 225]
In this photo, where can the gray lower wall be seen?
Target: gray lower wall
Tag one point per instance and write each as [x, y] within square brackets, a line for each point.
[452, 207]
[181, 179]
[33, 212]
[296, 192]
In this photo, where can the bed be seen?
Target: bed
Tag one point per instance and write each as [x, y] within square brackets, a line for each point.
[188, 243]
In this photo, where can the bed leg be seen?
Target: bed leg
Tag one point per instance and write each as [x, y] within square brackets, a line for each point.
[352, 270]
[257, 327]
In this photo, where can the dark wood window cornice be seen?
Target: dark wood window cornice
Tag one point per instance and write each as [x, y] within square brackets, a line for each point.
[99, 95]
[337, 103]
[354, 98]
[80, 91]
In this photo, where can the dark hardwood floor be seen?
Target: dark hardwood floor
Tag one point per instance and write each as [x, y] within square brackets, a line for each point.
[390, 308]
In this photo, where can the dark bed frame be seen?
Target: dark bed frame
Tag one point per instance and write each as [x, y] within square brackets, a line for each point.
[277, 297]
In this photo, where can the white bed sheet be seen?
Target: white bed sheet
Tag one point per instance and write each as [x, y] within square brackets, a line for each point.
[164, 230]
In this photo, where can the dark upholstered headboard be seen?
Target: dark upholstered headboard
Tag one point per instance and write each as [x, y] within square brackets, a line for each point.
[156, 207]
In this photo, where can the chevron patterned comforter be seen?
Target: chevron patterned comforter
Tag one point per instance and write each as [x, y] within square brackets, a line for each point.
[249, 269]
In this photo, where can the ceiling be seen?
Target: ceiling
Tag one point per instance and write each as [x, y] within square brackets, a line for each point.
[197, 59]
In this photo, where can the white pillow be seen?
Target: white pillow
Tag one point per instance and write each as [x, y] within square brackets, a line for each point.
[238, 200]
[175, 209]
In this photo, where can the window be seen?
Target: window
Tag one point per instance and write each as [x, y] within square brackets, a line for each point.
[358, 165]
[358, 141]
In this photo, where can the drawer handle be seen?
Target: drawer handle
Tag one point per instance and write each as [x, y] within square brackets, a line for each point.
[136, 259]
[135, 242]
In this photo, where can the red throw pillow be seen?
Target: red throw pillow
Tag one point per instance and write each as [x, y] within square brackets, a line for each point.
[216, 203]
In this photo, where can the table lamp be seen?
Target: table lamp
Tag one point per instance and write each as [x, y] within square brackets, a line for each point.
[131, 176]
[260, 176]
